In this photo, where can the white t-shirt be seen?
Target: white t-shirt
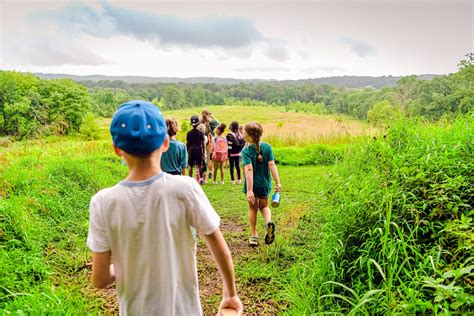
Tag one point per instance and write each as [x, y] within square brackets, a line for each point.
[147, 225]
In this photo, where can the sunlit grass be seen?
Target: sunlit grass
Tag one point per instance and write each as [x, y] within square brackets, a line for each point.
[282, 128]
[373, 228]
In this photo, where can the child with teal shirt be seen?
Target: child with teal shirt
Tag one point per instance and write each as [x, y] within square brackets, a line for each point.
[175, 159]
[259, 166]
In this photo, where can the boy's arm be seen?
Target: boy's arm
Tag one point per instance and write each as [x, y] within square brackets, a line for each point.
[103, 272]
[223, 259]
[248, 169]
[273, 169]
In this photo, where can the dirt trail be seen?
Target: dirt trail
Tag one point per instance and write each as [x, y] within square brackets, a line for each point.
[210, 283]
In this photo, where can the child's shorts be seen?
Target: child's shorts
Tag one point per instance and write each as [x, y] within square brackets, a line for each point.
[194, 159]
[221, 157]
[260, 193]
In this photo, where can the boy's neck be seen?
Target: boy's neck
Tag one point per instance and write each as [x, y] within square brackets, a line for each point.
[142, 169]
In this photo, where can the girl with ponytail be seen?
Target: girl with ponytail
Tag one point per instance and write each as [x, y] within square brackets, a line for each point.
[259, 168]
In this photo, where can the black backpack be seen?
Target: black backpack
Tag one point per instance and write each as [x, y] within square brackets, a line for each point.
[235, 144]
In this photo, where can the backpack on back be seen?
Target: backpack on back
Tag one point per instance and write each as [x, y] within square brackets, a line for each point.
[220, 145]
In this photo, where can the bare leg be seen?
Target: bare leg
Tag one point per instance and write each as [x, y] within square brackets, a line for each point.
[266, 212]
[214, 173]
[199, 172]
[269, 225]
[222, 171]
[253, 209]
[209, 162]
[191, 171]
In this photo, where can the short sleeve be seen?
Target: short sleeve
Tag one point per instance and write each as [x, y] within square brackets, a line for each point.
[97, 240]
[269, 153]
[201, 214]
[246, 159]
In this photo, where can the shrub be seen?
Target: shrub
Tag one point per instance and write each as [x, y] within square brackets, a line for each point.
[393, 233]
[309, 155]
[90, 128]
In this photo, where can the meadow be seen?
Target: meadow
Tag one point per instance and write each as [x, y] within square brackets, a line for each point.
[365, 226]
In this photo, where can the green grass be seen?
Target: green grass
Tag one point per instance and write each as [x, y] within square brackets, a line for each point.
[393, 231]
[281, 129]
[44, 224]
[371, 227]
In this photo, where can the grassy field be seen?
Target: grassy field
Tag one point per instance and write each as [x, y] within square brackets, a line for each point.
[283, 128]
[364, 226]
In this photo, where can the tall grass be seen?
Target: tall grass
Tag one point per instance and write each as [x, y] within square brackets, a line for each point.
[383, 226]
[44, 203]
[393, 231]
[283, 129]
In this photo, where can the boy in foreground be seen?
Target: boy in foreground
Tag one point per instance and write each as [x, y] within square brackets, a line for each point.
[144, 224]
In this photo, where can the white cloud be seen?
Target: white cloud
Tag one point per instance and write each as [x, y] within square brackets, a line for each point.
[358, 47]
[233, 35]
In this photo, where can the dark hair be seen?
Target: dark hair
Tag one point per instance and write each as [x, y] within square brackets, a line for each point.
[234, 126]
[172, 126]
[254, 130]
[221, 128]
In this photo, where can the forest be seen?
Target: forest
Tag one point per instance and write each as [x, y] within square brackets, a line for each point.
[32, 107]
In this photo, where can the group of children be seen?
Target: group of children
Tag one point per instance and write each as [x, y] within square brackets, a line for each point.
[144, 224]
[208, 149]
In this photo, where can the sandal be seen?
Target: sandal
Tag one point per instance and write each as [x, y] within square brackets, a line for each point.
[270, 236]
[253, 241]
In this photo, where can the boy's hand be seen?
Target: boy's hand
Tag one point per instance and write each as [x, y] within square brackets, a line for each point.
[232, 302]
[251, 197]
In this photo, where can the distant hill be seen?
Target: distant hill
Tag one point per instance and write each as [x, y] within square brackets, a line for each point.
[144, 79]
[341, 81]
[359, 81]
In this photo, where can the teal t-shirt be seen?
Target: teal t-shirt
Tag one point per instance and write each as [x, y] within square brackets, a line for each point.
[262, 180]
[175, 158]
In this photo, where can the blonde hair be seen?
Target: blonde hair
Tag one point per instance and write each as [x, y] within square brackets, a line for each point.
[204, 120]
[201, 127]
[254, 130]
[205, 112]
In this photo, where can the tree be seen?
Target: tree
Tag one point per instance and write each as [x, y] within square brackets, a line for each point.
[173, 98]
[68, 102]
[383, 113]
[469, 61]
[18, 92]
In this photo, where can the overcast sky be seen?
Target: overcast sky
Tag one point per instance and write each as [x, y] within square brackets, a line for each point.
[237, 39]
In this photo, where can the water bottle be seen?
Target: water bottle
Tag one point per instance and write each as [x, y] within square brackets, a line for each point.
[276, 199]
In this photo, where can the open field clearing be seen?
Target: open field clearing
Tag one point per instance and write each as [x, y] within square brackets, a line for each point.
[280, 128]
[286, 128]
[364, 226]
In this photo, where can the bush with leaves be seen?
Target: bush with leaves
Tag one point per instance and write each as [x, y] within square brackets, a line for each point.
[90, 128]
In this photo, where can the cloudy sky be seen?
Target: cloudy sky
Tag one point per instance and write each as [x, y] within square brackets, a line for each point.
[237, 39]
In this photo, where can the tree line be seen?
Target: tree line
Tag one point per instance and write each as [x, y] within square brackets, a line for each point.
[33, 106]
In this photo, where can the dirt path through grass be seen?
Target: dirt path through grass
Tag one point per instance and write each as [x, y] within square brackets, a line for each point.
[254, 280]
[210, 283]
